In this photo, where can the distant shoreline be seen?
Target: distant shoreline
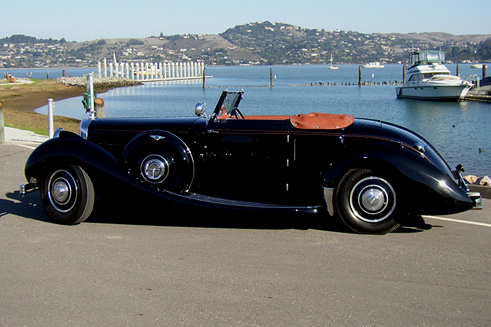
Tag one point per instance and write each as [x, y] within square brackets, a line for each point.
[28, 97]
[21, 100]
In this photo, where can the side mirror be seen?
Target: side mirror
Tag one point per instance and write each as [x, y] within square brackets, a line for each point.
[200, 110]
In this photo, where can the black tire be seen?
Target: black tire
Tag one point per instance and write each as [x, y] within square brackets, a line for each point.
[67, 194]
[366, 202]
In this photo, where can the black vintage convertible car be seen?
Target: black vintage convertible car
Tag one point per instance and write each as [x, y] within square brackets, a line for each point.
[371, 174]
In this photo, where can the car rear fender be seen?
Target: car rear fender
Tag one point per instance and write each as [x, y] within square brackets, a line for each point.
[431, 189]
[367, 157]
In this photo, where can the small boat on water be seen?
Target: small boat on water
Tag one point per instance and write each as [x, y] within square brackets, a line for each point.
[429, 79]
[333, 67]
[375, 64]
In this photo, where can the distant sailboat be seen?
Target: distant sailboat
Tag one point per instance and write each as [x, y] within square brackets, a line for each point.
[333, 67]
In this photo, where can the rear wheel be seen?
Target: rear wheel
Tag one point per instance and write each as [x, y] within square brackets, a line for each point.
[366, 201]
[67, 194]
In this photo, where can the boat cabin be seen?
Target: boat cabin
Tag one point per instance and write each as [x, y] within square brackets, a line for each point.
[427, 57]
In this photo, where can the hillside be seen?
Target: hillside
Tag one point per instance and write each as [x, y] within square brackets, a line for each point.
[253, 43]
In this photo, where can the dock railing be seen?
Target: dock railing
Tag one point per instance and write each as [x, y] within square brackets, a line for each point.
[145, 71]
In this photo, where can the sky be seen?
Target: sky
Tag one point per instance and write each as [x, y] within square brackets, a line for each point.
[86, 20]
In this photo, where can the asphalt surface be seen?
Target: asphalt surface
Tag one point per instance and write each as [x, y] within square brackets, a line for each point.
[151, 267]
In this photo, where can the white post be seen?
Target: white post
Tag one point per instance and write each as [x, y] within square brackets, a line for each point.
[90, 89]
[161, 74]
[105, 67]
[111, 69]
[50, 119]
[99, 68]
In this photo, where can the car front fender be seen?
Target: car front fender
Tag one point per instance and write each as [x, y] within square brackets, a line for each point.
[70, 148]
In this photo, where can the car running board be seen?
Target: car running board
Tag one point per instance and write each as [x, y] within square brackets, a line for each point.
[236, 204]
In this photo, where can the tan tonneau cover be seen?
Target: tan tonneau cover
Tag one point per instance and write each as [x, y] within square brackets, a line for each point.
[312, 121]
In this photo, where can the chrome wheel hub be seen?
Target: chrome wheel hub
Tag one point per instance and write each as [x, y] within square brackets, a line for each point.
[372, 200]
[154, 169]
[62, 191]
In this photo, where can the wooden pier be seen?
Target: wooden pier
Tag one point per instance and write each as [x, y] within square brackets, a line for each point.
[479, 94]
[152, 72]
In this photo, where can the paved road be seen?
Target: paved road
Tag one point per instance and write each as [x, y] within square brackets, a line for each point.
[233, 271]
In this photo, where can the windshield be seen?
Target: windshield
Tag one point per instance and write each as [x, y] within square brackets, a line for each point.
[228, 104]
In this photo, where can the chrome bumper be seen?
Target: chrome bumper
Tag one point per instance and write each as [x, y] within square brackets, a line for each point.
[477, 199]
[26, 188]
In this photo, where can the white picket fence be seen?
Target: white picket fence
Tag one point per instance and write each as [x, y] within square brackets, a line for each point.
[145, 71]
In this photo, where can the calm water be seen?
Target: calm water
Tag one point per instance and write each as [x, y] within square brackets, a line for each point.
[458, 130]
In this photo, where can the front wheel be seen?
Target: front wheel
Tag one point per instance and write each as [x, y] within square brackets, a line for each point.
[366, 201]
[67, 194]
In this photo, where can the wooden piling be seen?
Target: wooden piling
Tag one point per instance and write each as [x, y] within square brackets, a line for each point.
[204, 77]
[100, 111]
[359, 75]
[271, 77]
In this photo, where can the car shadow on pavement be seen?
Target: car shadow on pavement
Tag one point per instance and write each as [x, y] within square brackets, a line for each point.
[180, 216]
[148, 212]
[137, 211]
[26, 206]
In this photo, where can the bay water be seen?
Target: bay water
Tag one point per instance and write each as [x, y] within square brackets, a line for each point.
[459, 131]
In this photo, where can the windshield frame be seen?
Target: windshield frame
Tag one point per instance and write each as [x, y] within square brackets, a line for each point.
[227, 104]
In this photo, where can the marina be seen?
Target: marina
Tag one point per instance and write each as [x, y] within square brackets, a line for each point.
[457, 129]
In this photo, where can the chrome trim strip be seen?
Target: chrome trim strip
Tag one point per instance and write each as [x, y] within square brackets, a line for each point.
[328, 197]
[57, 132]
[84, 128]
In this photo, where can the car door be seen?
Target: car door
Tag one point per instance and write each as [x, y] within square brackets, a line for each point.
[246, 160]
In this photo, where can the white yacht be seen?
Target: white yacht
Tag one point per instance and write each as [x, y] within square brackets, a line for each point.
[429, 79]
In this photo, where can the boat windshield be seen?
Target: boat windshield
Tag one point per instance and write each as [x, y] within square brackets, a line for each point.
[430, 75]
[427, 57]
